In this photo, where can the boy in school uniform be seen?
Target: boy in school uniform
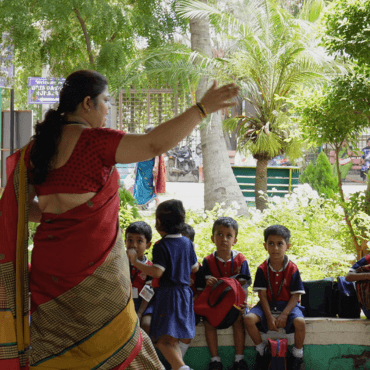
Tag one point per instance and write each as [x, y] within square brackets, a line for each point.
[225, 262]
[352, 276]
[138, 236]
[279, 287]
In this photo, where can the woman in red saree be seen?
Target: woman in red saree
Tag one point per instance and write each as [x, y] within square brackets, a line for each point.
[82, 311]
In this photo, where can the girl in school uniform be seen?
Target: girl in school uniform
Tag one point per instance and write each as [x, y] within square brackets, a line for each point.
[173, 260]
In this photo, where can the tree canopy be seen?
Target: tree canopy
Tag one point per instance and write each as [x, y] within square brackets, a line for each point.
[68, 35]
[347, 31]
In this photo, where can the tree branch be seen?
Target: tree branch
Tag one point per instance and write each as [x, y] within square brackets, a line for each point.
[87, 38]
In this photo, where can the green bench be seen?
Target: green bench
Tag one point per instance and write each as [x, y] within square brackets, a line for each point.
[281, 180]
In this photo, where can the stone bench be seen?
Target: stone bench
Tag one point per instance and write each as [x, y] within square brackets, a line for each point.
[331, 344]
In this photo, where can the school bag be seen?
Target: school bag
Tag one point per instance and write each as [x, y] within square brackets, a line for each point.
[320, 299]
[220, 304]
[363, 288]
[348, 305]
[278, 349]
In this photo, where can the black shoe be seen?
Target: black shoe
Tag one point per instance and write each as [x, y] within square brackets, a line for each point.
[215, 365]
[296, 363]
[241, 365]
[263, 362]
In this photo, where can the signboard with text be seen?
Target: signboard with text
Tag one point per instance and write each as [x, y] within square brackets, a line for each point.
[44, 90]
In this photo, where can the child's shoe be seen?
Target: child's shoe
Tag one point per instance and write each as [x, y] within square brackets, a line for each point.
[215, 365]
[241, 365]
[263, 362]
[296, 363]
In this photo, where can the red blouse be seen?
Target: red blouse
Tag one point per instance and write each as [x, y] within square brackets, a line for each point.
[89, 166]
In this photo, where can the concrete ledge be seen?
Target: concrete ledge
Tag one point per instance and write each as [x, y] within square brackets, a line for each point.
[319, 331]
[331, 344]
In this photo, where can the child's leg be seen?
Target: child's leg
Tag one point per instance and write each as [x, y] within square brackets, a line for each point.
[239, 336]
[250, 322]
[211, 338]
[169, 346]
[184, 345]
[300, 332]
[145, 323]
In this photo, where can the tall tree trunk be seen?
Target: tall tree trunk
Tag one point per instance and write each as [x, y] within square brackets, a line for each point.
[346, 215]
[261, 183]
[220, 184]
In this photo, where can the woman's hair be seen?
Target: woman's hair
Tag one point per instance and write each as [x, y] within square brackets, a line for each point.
[76, 87]
[171, 216]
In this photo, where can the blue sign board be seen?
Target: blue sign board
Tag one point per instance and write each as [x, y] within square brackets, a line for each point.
[44, 90]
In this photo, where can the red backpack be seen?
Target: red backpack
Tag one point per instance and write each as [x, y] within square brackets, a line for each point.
[220, 304]
[278, 349]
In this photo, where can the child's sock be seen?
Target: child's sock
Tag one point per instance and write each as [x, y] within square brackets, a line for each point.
[183, 347]
[184, 368]
[214, 359]
[260, 348]
[297, 352]
[239, 358]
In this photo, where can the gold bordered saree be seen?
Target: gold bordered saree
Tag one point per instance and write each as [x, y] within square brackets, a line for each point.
[83, 315]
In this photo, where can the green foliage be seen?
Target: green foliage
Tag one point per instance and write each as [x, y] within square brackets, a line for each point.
[357, 208]
[270, 54]
[347, 29]
[320, 177]
[69, 35]
[32, 226]
[128, 212]
[337, 113]
[321, 244]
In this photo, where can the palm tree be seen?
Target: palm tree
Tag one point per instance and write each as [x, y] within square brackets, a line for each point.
[271, 55]
[192, 70]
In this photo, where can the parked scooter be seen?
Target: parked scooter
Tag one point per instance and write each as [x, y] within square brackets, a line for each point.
[181, 161]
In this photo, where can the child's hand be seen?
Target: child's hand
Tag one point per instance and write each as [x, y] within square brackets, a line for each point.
[281, 320]
[271, 324]
[132, 255]
[243, 306]
[191, 282]
[211, 281]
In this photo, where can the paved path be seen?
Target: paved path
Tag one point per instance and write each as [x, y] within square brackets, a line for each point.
[192, 194]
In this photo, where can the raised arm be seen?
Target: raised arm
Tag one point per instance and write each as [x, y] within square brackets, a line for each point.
[136, 148]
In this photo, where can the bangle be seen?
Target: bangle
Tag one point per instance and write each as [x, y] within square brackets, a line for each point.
[202, 110]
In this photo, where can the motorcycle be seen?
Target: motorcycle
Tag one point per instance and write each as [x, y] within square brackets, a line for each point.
[181, 161]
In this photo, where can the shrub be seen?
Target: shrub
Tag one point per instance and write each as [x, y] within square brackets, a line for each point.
[321, 245]
[128, 212]
[320, 177]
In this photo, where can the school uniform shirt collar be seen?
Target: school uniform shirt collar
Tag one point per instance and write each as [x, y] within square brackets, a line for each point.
[173, 236]
[234, 254]
[286, 261]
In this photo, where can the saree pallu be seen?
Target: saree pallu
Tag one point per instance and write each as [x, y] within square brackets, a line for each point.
[160, 179]
[147, 186]
[144, 190]
[83, 315]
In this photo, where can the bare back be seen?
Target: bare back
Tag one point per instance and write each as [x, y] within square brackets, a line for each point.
[62, 202]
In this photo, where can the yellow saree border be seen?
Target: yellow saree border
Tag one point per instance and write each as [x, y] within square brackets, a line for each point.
[109, 340]
[22, 322]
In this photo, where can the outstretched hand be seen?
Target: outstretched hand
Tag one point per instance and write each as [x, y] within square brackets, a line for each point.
[217, 98]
